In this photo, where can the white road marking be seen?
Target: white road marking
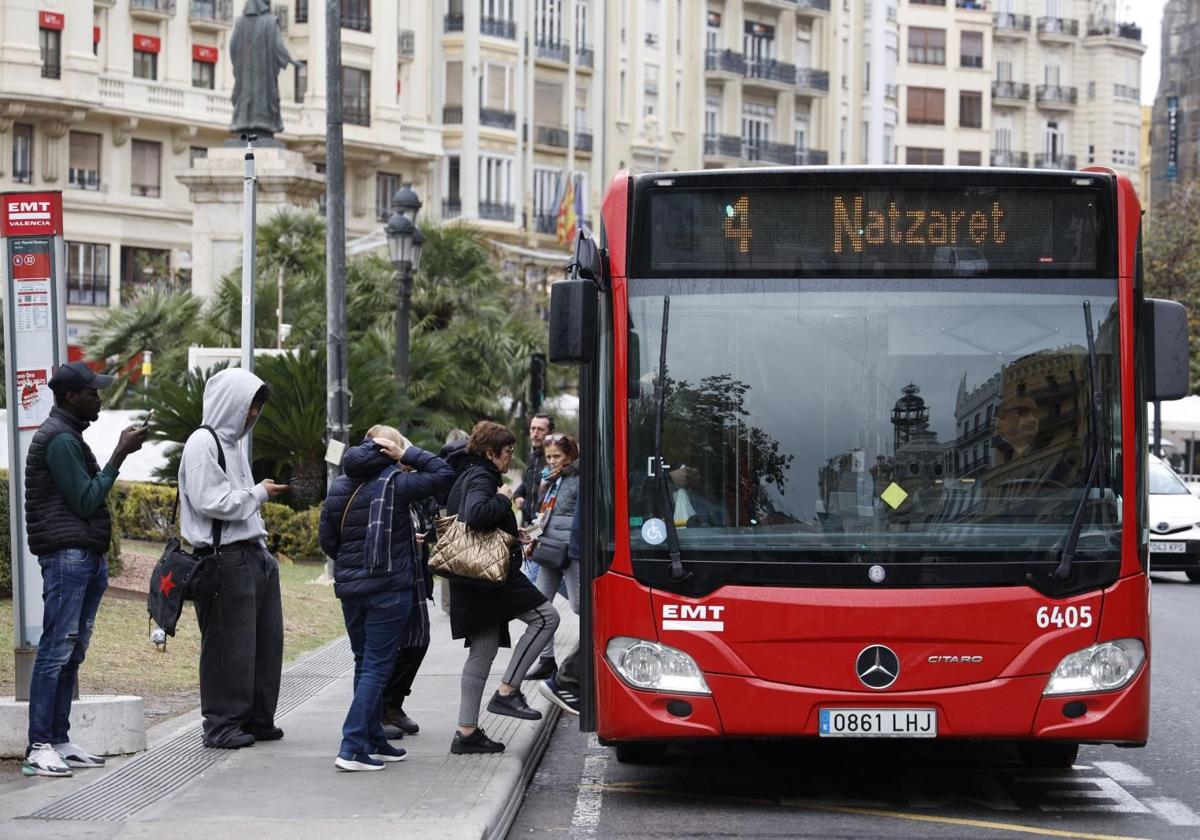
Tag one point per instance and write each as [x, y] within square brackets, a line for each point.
[1173, 811]
[1107, 797]
[590, 799]
[1124, 774]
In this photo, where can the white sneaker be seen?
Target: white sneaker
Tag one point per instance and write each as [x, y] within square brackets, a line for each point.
[76, 756]
[43, 760]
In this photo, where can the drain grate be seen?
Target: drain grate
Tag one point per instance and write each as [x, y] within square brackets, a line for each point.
[145, 780]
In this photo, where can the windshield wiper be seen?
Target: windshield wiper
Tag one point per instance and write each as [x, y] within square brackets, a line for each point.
[675, 572]
[1071, 542]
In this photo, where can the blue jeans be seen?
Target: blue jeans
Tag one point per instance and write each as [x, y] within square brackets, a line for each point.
[375, 624]
[73, 581]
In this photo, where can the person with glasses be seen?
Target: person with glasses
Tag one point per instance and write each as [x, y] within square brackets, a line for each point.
[480, 613]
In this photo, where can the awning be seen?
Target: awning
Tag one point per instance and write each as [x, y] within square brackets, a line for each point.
[554, 258]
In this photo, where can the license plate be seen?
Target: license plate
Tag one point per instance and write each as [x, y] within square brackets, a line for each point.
[878, 723]
[1163, 547]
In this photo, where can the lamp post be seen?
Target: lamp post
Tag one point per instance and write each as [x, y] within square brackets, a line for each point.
[404, 247]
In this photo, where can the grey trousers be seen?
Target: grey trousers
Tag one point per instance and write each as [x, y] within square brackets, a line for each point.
[541, 624]
[547, 583]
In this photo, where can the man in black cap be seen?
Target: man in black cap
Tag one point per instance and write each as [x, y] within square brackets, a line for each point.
[68, 528]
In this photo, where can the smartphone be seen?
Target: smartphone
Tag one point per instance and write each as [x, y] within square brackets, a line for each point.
[146, 420]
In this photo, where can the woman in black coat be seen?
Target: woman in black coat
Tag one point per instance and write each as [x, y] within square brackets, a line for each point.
[480, 612]
[367, 529]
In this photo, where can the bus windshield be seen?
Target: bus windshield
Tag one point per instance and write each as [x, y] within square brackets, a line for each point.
[806, 416]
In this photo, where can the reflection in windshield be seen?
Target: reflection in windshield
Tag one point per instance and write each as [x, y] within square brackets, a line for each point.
[878, 419]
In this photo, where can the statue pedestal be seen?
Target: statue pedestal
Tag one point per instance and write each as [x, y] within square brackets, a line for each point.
[285, 179]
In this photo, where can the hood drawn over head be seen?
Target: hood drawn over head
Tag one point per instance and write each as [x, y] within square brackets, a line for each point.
[227, 398]
[257, 7]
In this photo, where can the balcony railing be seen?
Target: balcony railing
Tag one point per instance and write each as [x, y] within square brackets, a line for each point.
[551, 135]
[1045, 161]
[545, 222]
[358, 19]
[807, 77]
[51, 70]
[1006, 157]
[497, 118]
[891, 91]
[810, 157]
[156, 8]
[211, 11]
[454, 22]
[812, 5]
[1129, 30]
[1057, 26]
[1010, 90]
[553, 52]
[1057, 95]
[406, 43]
[725, 61]
[1008, 22]
[585, 56]
[1127, 92]
[969, 5]
[496, 212]
[356, 113]
[722, 145]
[498, 28]
[452, 115]
[975, 61]
[451, 208]
[583, 141]
[772, 71]
[87, 290]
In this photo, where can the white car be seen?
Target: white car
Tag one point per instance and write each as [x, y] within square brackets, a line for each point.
[1174, 523]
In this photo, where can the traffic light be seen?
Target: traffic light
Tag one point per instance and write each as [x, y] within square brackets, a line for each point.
[537, 382]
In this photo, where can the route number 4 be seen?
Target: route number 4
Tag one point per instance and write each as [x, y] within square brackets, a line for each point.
[1064, 617]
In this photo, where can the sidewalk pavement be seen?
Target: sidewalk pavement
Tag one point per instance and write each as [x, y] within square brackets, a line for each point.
[289, 789]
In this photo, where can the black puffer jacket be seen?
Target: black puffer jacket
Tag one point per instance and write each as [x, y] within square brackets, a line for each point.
[346, 543]
[476, 607]
[50, 523]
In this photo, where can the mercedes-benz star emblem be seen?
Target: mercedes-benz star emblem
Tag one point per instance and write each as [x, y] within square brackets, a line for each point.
[877, 667]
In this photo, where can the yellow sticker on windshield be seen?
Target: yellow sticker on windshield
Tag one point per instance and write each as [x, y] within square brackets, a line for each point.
[894, 495]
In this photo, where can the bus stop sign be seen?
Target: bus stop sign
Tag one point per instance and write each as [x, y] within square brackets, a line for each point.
[35, 343]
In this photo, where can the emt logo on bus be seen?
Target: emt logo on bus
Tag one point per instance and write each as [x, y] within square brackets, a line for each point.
[693, 617]
[917, 226]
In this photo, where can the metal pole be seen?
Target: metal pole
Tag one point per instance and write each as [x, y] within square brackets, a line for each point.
[249, 197]
[404, 280]
[337, 392]
[279, 309]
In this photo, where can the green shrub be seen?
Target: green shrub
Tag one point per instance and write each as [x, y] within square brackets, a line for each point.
[146, 511]
[298, 539]
[276, 517]
[114, 546]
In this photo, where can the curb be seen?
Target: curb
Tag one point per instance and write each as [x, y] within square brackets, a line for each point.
[529, 765]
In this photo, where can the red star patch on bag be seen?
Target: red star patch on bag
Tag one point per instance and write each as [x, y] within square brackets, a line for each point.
[165, 584]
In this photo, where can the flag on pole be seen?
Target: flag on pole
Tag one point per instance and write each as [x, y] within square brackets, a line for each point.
[568, 217]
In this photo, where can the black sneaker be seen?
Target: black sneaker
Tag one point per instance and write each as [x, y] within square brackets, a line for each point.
[392, 733]
[568, 701]
[399, 719]
[545, 668]
[512, 705]
[476, 742]
[260, 733]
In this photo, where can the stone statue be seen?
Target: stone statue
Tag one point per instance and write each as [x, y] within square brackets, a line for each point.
[258, 54]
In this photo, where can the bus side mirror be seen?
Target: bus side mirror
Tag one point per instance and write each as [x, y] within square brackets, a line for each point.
[573, 310]
[1166, 347]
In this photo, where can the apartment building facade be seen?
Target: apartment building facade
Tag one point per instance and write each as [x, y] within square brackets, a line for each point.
[1175, 131]
[1065, 93]
[109, 100]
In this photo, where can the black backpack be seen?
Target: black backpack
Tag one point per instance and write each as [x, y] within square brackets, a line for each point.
[177, 572]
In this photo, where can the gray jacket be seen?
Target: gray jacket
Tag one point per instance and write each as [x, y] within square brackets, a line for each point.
[558, 529]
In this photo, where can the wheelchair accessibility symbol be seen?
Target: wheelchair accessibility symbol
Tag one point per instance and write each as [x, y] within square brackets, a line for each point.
[654, 531]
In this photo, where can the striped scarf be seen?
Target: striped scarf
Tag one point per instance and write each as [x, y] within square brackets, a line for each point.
[378, 543]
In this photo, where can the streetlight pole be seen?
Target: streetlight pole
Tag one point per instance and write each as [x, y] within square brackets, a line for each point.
[404, 247]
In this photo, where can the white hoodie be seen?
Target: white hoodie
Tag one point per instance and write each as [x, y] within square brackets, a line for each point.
[205, 492]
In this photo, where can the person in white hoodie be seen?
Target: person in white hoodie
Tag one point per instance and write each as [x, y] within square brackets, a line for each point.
[237, 596]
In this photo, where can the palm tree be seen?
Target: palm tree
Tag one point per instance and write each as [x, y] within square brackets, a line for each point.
[160, 319]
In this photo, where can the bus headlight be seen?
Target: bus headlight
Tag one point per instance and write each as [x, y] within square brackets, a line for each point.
[1103, 667]
[655, 667]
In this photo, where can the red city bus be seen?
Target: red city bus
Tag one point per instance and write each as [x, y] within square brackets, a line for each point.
[866, 456]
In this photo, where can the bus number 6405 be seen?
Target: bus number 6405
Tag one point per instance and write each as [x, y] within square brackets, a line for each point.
[1064, 617]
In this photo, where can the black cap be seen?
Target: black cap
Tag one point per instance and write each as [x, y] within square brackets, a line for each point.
[74, 376]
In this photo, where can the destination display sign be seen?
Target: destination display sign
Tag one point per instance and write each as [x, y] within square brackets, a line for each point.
[873, 232]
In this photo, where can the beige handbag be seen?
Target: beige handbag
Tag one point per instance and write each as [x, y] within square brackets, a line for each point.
[465, 552]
